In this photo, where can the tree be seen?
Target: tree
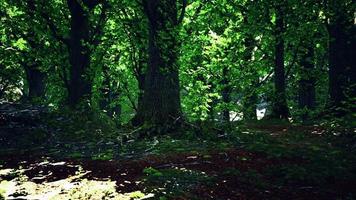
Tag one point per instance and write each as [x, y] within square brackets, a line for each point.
[21, 27]
[79, 53]
[35, 80]
[280, 108]
[341, 31]
[80, 42]
[307, 82]
[35, 76]
[226, 94]
[161, 98]
[134, 25]
[251, 98]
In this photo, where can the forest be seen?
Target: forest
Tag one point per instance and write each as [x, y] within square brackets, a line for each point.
[177, 99]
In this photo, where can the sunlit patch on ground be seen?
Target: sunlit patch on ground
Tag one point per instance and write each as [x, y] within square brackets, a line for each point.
[48, 180]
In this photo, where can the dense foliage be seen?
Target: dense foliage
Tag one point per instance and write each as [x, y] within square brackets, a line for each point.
[124, 58]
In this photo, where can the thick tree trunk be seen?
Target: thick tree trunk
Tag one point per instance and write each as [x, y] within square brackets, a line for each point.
[36, 82]
[341, 55]
[280, 108]
[161, 98]
[79, 55]
[307, 82]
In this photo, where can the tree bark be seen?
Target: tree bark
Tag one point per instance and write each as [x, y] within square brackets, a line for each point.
[79, 55]
[280, 108]
[341, 55]
[226, 96]
[35, 80]
[307, 82]
[161, 98]
[251, 98]
[140, 76]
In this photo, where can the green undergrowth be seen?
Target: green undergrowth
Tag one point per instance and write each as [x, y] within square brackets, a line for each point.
[306, 158]
[69, 134]
[169, 183]
[169, 145]
[78, 126]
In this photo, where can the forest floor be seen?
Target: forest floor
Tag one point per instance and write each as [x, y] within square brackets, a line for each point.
[253, 161]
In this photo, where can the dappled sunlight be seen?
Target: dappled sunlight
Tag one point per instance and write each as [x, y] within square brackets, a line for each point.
[4, 172]
[44, 180]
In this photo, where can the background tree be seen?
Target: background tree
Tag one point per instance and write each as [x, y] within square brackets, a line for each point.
[341, 29]
[280, 108]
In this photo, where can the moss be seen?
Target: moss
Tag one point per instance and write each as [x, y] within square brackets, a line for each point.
[107, 155]
[174, 181]
[137, 195]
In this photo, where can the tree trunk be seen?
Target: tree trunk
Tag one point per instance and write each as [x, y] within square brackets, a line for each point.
[34, 76]
[141, 88]
[251, 98]
[307, 83]
[79, 55]
[250, 105]
[105, 91]
[161, 98]
[341, 55]
[280, 108]
[226, 95]
[140, 76]
[35, 80]
[212, 104]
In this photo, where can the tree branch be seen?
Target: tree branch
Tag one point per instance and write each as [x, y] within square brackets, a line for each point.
[129, 97]
[181, 17]
[52, 27]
